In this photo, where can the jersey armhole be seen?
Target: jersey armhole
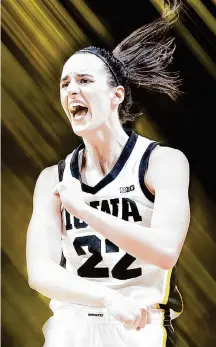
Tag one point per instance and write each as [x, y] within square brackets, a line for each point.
[143, 169]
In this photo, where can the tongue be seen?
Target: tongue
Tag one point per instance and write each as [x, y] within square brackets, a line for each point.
[81, 112]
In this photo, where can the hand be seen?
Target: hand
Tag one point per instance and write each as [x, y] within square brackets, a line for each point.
[127, 311]
[71, 195]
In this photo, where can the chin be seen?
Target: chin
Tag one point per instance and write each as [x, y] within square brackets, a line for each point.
[81, 129]
[86, 130]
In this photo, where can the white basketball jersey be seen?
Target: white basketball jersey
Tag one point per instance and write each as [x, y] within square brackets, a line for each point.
[123, 194]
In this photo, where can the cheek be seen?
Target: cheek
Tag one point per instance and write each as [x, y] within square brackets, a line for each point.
[63, 98]
[64, 103]
[97, 99]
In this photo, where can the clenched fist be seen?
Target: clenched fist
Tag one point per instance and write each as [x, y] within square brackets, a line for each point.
[128, 311]
[71, 195]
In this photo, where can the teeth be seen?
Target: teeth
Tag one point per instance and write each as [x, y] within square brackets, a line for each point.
[74, 108]
[76, 104]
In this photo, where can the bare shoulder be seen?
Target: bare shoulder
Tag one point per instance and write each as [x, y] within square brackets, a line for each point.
[167, 155]
[167, 166]
[46, 181]
[49, 175]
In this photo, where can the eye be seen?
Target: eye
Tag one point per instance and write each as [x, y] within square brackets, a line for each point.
[65, 84]
[85, 81]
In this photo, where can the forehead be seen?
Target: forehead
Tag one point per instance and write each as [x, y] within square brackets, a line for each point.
[83, 64]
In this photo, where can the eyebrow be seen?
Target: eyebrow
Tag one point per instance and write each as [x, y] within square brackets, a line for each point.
[64, 78]
[79, 75]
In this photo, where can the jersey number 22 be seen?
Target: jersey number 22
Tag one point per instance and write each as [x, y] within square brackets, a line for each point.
[88, 269]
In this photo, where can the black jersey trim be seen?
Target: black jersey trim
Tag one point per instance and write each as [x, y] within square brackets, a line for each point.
[171, 336]
[170, 333]
[174, 300]
[61, 167]
[124, 156]
[63, 261]
[143, 168]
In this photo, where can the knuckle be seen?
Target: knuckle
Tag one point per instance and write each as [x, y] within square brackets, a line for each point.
[127, 322]
[144, 313]
[129, 319]
[143, 323]
[138, 314]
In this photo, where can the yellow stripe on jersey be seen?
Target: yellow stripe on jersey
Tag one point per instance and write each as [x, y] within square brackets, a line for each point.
[164, 332]
[167, 287]
[181, 301]
[177, 313]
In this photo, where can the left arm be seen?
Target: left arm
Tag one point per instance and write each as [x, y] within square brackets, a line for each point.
[161, 244]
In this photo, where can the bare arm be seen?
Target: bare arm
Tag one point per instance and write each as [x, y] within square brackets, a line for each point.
[44, 250]
[161, 244]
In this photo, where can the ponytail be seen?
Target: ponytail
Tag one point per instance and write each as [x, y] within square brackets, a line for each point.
[142, 60]
[147, 53]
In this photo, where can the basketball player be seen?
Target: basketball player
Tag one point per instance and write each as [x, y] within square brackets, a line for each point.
[115, 212]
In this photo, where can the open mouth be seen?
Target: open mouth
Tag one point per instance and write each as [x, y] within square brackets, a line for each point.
[78, 110]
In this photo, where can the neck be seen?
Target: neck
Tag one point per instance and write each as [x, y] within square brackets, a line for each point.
[103, 147]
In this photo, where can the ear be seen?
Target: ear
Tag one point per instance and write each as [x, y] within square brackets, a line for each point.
[118, 96]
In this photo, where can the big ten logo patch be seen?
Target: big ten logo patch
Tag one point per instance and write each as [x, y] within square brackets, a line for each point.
[127, 189]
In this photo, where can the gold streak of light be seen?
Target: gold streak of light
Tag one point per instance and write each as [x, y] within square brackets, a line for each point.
[40, 34]
[16, 328]
[32, 143]
[192, 43]
[204, 14]
[209, 286]
[92, 20]
[201, 55]
[58, 13]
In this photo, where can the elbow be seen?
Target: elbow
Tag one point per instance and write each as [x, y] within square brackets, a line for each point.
[168, 260]
[40, 276]
[34, 282]
[164, 259]
[38, 273]
[40, 285]
[37, 279]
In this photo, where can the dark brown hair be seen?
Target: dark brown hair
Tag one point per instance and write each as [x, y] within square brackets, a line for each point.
[142, 60]
[146, 54]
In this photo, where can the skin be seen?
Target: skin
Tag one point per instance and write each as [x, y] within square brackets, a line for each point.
[104, 139]
[101, 130]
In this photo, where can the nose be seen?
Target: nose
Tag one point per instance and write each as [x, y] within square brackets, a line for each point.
[73, 88]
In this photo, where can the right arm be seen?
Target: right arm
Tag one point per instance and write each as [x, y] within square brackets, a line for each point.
[44, 250]
[43, 258]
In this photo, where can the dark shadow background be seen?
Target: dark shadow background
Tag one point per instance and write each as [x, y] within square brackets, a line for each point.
[37, 37]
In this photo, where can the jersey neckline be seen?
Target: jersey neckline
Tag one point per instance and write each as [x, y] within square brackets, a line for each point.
[124, 156]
